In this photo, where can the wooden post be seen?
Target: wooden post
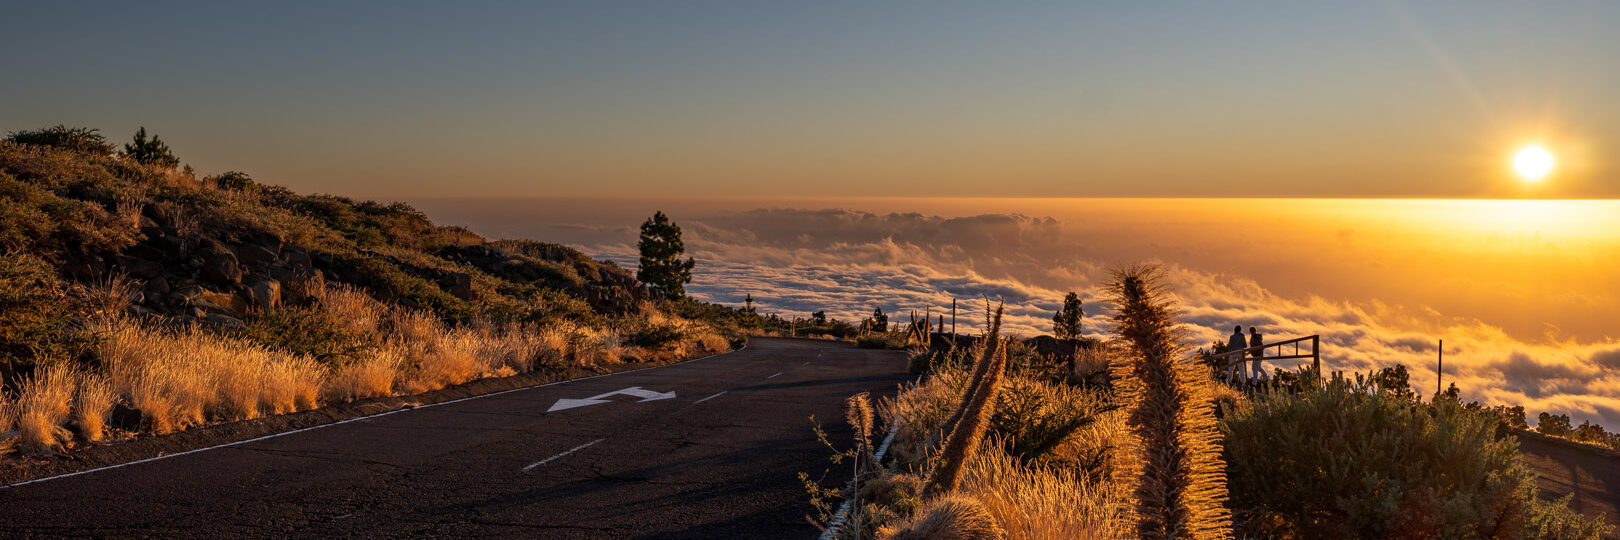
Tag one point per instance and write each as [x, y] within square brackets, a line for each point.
[953, 320]
[1439, 369]
[1316, 354]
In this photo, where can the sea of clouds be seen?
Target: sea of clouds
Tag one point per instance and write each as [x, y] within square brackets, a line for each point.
[846, 262]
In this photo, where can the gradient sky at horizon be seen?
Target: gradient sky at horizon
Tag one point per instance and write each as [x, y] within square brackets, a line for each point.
[493, 99]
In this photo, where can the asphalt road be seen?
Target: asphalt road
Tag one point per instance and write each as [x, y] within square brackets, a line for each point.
[718, 460]
[1562, 470]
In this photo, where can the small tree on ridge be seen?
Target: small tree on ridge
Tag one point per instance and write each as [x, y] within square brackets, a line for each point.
[150, 151]
[661, 264]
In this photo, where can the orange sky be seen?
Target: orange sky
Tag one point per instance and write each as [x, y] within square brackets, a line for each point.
[703, 99]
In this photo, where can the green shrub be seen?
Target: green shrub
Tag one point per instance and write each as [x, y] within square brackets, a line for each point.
[1360, 459]
[647, 335]
[77, 139]
[881, 341]
[309, 332]
[1033, 418]
[38, 318]
[1553, 520]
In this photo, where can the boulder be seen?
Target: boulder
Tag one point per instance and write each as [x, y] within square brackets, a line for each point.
[139, 268]
[220, 264]
[298, 283]
[262, 293]
[457, 284]
[294, 255]
[157, 286]
[218, 302]
[255, 255]
[223, 320]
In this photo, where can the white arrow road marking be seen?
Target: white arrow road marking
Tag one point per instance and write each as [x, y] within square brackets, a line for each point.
[570, 451]
[637, 391]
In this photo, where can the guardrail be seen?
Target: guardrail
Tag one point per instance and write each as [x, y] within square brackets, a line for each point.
[1230, 359]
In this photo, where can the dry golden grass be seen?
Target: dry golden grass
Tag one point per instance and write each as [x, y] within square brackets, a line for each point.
[1031, 503]
[713, 343]
[1026, 501]
[372, 376]
[95, 401]
[8, 420]
[354, 307]
[952, 517]
[182, 378]
[43, 406]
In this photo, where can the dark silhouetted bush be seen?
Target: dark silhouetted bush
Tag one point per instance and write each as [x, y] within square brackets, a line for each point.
[77, 139]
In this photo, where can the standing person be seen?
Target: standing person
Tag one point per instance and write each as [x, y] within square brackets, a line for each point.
[1255, 341]
[1234, 365]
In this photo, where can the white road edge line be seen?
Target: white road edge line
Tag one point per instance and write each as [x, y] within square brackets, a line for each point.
[355, 419]
[843, 510]
[710, 397]
[570, 451]
[778, 374]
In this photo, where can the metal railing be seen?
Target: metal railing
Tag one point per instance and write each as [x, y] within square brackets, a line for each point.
[1229, 360]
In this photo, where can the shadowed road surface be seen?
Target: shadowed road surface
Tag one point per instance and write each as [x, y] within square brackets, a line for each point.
[1593, 478]
[719, 459]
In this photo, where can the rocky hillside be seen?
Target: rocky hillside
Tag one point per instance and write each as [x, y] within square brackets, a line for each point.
[136, 297]
[219, 248]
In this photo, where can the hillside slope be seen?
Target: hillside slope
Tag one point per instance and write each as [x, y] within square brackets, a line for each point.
[141, 298]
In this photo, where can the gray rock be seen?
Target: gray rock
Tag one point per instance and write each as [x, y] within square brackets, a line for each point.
[221, 266]
[254, 254]
[458, 284]
[139, 268]
[295, 255]
[263, 293]
[157, 286]
[224, 320]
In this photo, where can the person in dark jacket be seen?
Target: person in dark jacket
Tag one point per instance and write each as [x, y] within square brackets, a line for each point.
[1234, 364]
[1255, 340]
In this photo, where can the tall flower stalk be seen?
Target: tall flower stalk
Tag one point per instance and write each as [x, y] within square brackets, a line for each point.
[1178, 475]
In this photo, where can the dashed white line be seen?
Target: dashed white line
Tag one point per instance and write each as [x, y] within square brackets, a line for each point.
[779, 373]
[710, 397]
[570, 451]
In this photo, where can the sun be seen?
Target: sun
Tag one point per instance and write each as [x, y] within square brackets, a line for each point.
[1533, 162]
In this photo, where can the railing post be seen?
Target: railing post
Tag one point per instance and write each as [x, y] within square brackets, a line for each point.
[1316, 354]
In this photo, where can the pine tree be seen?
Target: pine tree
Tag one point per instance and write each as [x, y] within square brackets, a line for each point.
[150, 151]
[880, 322]
[661, 264]
[748, 302]
[1066, 324]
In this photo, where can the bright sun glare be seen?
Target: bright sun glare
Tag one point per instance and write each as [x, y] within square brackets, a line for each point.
[1533, 162]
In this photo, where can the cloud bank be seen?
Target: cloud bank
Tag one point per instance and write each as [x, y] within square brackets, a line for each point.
[846, 262]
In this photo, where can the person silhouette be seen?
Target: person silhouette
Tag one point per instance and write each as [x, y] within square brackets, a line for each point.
[1234, 365]
[1255, 340]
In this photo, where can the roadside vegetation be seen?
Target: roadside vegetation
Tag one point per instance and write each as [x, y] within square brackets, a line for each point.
[1132, 438]
[139, 298]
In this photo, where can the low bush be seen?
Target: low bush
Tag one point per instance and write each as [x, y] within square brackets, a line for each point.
[92, 405]
[881, 340]
[77, 139]
[1353, 459]
[43, 407]
[38, 318]
[309, 332]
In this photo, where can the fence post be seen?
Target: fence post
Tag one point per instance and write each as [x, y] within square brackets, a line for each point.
[1316, 354]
